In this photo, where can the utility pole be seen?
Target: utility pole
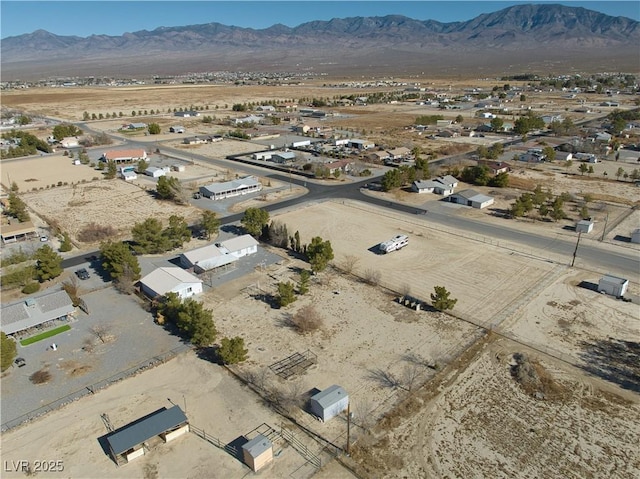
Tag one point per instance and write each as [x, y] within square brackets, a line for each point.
[348, 427]
[576, 250]
[604, 230]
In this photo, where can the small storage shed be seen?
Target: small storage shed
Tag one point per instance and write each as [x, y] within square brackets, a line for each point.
[155, 172]
[258, 452]
[635, 236]
[584, 226]
[330, 402]
[613, 285]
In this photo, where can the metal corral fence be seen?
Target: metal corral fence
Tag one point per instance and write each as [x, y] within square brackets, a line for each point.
[93, 388]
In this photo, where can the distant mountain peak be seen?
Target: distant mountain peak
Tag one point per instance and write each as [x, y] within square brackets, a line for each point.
[520, 33]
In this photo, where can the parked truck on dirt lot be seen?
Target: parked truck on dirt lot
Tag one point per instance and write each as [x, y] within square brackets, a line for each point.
[395, 243]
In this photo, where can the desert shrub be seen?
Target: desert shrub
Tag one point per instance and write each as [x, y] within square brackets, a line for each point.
[94, 232]
[30, 288]
[40, 377]
[307, 320]
[372, 276]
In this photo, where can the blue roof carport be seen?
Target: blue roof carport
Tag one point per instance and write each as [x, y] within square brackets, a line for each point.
[143, 429]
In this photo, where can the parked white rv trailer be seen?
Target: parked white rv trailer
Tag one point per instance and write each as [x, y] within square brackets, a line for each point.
[395, 243]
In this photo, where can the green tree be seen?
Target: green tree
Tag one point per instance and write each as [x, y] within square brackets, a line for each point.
[118, 260]
[64, 130]
[48, 263]
[584, 212]
[478, 175]
[197, 323]
[583, 168]
[319, 253]
[65, 244]
[543, 210]
[557, 213]
[590, 171]
[17, 207]
[110, 174]
[459, 119]
[549, 153]
[619, 173]
[501, 180]
[154, 129]
[495, 150]
[286, 294]
[149, 237]
[391, 179]
[24, 120]
[232, 350]
[8, 351]
[178, 232]
[142, 165]
[254, 220]
[497, 124]
[209, 223]
[303, 285]
[440, 299]
[169, 188]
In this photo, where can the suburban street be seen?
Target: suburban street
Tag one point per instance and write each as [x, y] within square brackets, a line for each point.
[590, 255]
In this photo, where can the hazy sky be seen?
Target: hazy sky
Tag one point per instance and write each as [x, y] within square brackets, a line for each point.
[84, 18]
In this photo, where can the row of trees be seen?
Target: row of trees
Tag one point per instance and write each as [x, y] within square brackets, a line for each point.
[405, 174]
[28, 144]
[48, 265]
[196, 323]
[543, 202]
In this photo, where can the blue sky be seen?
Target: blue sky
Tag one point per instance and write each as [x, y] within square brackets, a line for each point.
[83, 18]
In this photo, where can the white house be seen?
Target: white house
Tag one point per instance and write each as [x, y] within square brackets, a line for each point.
[171, 280]
[263, 155]
[206, 258]
[70, 142]
[247, 119]
[443, 185]
[240, 246]
[471, 198]
[564, 155]
[124, 156]
[228, 189]
[269, 108]
[129, 175]
[155, 172]
[186, 114]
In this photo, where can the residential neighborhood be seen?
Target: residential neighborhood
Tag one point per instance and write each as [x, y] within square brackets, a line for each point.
[321, 272]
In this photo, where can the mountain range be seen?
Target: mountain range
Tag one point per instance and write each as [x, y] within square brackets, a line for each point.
[524, 38]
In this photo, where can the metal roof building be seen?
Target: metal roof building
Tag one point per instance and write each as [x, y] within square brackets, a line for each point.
[242, 186]
[206, 258]
[32, 312]
[171, 279]
[330, 402]
[126, 442]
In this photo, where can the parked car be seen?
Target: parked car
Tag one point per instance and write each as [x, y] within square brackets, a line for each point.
[82, 273]
[44, 239]
[20, 362]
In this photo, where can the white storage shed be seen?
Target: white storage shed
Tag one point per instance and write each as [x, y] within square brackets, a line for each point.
[329, 403]
[258, 452]
[584, 226]
[613, 285]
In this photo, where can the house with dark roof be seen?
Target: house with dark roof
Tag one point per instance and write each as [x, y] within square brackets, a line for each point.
[129, 441]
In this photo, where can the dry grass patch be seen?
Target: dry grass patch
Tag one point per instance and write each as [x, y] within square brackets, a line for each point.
[40, 377]
[94, 232]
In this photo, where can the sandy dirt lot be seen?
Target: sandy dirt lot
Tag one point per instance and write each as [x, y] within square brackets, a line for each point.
[380, 351]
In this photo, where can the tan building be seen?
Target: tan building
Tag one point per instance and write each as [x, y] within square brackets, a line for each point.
[258, 452]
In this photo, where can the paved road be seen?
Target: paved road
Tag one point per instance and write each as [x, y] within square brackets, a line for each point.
[598, 256]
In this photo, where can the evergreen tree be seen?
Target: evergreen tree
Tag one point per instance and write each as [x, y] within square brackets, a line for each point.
[232, 350]
[48, 263]
[441, 300]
